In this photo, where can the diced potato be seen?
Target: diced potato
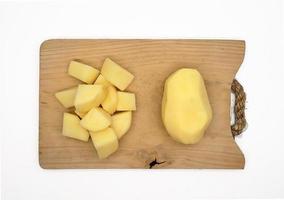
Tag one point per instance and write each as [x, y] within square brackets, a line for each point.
[89, 96]
[121, 123]
[110, 102]
[72, 128]
[186, 110]
[66, 97]
[96, 119]
[80, 114]
[88, 118]
[105, 142]
[101, 80]
[125, 101]
[83, 72]
[116, 75]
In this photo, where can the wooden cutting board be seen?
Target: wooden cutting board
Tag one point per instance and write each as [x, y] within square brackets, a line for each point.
[151, 61]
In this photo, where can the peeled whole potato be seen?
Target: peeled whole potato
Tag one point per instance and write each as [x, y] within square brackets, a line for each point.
[186, 111]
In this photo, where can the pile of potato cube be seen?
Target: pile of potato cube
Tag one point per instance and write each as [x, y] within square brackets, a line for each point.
[103, 110]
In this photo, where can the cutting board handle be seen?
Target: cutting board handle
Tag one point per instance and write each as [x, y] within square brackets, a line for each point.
[239, 108]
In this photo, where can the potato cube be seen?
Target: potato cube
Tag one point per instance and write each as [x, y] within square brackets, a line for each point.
[72, 128]
[83, 72]
[116, 75]
[89, 96]
[101, 80]
[105, 142]
[121, 123]
[110, 102]
[66, 97]
[96, 119]
[125, 101]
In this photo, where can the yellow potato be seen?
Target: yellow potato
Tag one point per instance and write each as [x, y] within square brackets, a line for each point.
[83, 72]
[116, 75]
[89, 96]
[186, 111]
[121, 123]
[105, 142]
[80, 114]
[90, 119]
[110, 102]
[101, 80]
[71, 128]
[96, 119]
[67, 97]
[125, 101]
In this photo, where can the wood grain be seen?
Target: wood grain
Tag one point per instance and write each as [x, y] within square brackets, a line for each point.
[151, 61]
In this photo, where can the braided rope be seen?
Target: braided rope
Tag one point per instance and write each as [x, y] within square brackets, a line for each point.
[239, 108]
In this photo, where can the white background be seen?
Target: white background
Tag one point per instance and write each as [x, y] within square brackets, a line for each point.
[23, 26]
